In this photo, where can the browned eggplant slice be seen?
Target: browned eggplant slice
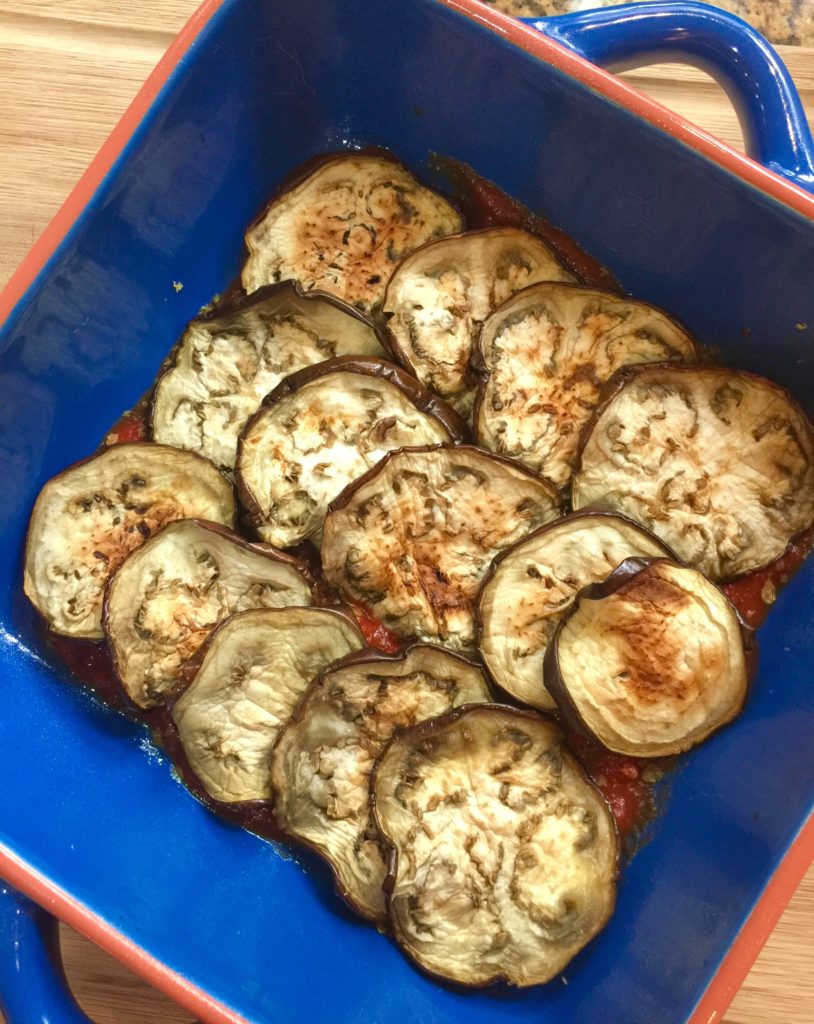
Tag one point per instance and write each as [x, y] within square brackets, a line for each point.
[718, 463]
[321, 764]
[252, 670]
[652, 660]
[323, 427]
[344, 228]
[168, 595]
[503, 856]
[228, 360]
[532, 584]
[412, 539]
[545, 355]
[88, 518]
[439, 296]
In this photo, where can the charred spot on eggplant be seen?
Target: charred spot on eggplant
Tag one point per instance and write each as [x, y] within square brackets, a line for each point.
[532, 584]
[413, 538]
[250, 674]
[545, 355]
[718, 463]
[169, 594]
[439, 296]
[321, 763]
[503, 856]
[89, 517]
[227, 361]
[323, 427]
[651, 661]
[344, 228]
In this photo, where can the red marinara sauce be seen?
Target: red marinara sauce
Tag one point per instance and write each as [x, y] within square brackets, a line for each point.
[622, 780]
[132, 426]
[484, 205]
[375, 632]
[753, 595]
[625, 781]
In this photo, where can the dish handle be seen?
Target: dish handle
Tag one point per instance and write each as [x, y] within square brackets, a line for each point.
[33, 987]
[748, 67]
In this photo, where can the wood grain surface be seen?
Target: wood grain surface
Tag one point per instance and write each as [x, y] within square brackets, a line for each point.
[68, 68]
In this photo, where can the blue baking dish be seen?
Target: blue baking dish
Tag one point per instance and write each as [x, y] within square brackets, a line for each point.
[92, 823]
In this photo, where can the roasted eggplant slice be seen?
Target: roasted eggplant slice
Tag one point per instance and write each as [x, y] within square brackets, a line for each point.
[545, 355]
[88, 518]
[323, 427]
[252, 671]
[321, 764]
[532, 584]
[168, 595]
[503, 856]
[439, 296]
[344, 228]
[718, 463]
[651, 661]
[413, 538]
[228, 360]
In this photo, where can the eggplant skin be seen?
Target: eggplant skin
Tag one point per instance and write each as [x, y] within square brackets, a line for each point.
[248, 678]
[544, 356]
[718, 463]
[321, 763]
[344, 227]
[228, 360]
[413, 538]
[89, 517]
[532, 584]
[439, 296]
[170, 593]
[503, 857]
[652, 660]
[323, 427]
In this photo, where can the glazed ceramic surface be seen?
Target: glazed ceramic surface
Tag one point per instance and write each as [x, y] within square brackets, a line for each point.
[85, 801]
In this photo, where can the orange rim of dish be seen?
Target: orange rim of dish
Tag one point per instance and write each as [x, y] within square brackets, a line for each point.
[789, 873]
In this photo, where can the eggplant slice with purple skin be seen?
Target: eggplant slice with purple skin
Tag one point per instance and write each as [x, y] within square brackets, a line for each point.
[718, 463]
[228, 360]
[344, 227]
[89, 517]
[413, 538]
[248, 678]
[532, 584]
[503, 856]
[169, 594]
[439, 296]
[321, 763]
[652, 660]
[544, 356]
[323, 427]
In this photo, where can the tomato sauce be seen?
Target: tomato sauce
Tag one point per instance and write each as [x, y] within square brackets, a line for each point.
[753, 595]
[484, 205]
[375, 632]
[132, 426]
[626, 782]
[622, 780]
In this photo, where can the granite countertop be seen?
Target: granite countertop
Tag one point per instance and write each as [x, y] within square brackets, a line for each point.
[781, 21]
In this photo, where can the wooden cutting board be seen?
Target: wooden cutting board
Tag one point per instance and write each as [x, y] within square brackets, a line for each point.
[68, 68]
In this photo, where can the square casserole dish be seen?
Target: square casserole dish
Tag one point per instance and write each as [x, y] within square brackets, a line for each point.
[92, 825]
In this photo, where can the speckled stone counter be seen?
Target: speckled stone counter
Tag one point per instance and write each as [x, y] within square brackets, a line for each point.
[781, 21]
